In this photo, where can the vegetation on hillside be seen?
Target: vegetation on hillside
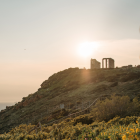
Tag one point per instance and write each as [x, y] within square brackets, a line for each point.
[108, 119]
[77, 86]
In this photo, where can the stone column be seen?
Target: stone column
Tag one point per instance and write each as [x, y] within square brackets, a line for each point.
[102, 63]
[108, 63]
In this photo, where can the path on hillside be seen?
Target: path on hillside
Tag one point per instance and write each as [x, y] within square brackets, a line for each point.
[70, 115]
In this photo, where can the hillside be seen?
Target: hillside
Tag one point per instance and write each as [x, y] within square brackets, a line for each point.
[74, 88]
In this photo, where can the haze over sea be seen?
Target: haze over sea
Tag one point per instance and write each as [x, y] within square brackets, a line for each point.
[3, 105]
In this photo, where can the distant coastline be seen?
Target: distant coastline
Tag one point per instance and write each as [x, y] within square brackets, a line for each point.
[3, 105]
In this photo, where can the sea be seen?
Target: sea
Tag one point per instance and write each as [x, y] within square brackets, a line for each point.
[3, 105]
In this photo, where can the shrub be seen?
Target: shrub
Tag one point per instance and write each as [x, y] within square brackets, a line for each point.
[84, 119]
[115, 106]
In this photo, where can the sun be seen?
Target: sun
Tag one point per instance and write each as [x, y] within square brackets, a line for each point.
[86, 49]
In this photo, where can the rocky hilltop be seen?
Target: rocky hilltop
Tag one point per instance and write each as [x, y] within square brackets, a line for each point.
[69, 87]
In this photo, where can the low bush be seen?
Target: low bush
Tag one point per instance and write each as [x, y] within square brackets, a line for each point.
[84, 119]
[115, 106]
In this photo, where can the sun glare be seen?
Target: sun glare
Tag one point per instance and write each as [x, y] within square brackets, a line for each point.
[86, 49]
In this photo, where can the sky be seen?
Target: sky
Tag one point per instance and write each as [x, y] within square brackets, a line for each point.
[41, 37]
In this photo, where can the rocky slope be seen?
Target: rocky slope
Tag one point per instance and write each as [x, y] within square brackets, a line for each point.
[68, 87]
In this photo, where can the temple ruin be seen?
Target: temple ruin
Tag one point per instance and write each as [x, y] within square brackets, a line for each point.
[106, 63]
[109, 63]
[94, 64]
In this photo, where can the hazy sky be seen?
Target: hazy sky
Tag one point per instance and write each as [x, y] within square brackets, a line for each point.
[41, 37]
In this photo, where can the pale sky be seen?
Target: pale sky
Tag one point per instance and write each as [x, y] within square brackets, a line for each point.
[41, 37]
